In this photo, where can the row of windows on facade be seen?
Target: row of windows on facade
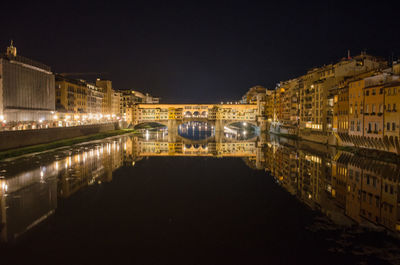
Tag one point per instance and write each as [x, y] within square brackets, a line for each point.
[389, 127]
[382, 107]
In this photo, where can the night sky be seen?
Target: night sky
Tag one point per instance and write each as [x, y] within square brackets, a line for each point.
[188, 52]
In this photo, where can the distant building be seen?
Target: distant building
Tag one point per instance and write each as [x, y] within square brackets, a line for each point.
[115, 103]
[94, 99]
[26, 90]
[71, 95]
[106, 86]
[129, 98]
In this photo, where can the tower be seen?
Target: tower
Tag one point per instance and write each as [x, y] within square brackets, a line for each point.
[11, 50]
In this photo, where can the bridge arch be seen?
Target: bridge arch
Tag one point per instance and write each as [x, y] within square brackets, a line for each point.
[151, 125]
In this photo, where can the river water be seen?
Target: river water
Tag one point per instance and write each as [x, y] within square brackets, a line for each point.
[139, 199]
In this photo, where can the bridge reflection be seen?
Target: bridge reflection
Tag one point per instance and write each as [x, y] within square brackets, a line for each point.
[348, 189]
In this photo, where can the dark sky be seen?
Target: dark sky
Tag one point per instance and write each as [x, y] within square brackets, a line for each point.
[188, 52]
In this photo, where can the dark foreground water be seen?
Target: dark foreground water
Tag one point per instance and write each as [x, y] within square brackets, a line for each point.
[147, 200]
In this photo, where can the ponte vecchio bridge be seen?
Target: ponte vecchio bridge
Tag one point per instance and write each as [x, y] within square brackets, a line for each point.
[172, 115]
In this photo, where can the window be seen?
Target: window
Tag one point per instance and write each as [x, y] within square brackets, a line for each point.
[381, 91]
[367, 92]
[394, 107]
[388, 107]
[393, 126]
[388, 126]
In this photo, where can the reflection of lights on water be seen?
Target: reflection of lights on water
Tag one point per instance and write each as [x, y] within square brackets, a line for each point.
[56, 165]
[133, 163]
[147, 135]
[125, 145]
[4, 186]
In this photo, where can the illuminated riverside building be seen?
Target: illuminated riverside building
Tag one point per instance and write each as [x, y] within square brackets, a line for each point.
[269, 105]
[77, 101]
[71, 95]
[305, 105]
[94, 98]
[116, 103]
[341, 109]
[129, 99]
[372, 121]
[392, 115]
[286, 103]
[27, 97]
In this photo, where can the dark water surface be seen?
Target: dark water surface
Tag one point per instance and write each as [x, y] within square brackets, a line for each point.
[147, 200]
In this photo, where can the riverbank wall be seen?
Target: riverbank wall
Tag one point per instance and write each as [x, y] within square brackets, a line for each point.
[16, 139]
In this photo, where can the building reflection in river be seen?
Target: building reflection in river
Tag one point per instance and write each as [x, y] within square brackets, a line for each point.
[346, 188]
[30, 196]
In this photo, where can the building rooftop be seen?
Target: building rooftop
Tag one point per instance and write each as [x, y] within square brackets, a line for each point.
[25, 60]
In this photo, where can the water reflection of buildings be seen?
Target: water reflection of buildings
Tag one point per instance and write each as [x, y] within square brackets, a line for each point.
[28, 196]
[347, 188]
[29, 191]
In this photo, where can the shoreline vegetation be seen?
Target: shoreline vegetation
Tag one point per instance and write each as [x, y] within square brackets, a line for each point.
[61, 143]
[363, 152]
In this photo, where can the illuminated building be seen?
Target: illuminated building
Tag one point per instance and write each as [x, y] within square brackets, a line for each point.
[129, 98]
[286, 118]
[341, 110]
[106, 86]
[392, 116]
[374, 101]
[26, 90]
[71, 95]
[251, 95]
[94, 98]
[317, 90]
[116, 103]
[356, 107]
